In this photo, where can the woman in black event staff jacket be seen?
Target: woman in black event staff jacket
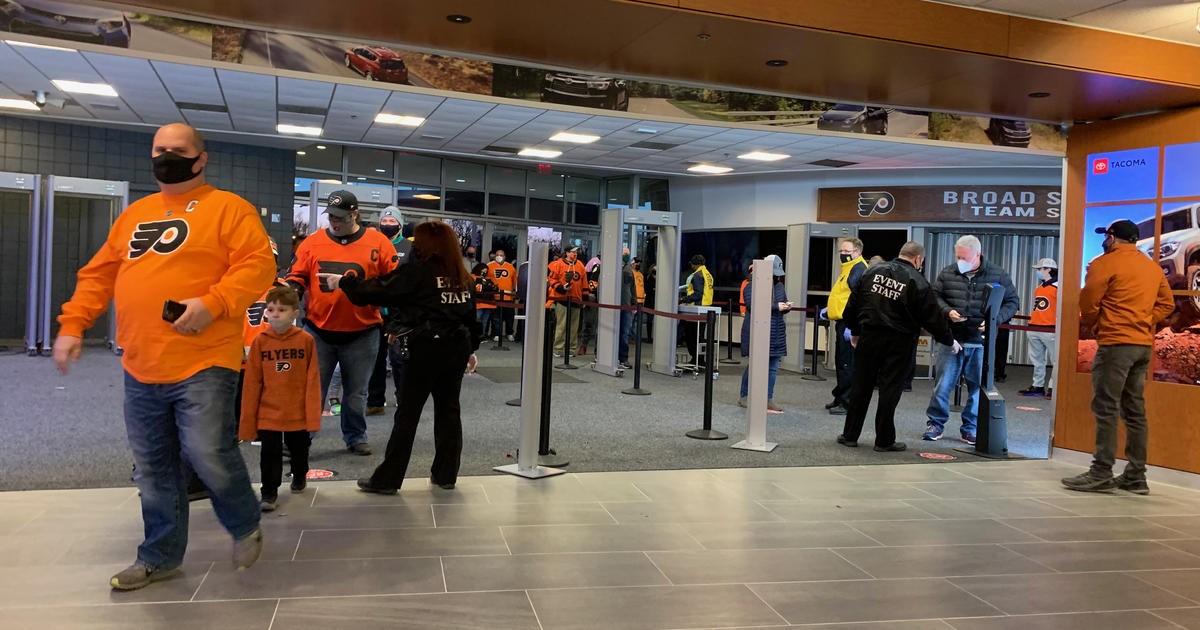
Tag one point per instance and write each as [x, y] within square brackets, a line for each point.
[432, 314]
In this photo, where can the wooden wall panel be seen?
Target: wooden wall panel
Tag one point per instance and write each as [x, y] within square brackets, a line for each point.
[1173, 410]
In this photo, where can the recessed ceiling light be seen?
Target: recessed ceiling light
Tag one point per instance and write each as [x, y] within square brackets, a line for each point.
[461, 181]
[79, 87]
[539, 153]
[13, 42]
[321, 147]
[380, 170]
[646, 130]
[777, 63]
[361, 179]
[458, 19]
[557, 195]
[577, 138]
[763, 156]
[1038, 94]
[301, 153]
[298, 129]
[426, 196]
[393, 119]
[709, 169]
[18, 103]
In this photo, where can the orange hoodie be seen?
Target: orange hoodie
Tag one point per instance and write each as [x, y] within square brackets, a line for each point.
[1124, 295]
[282, 389]
[205, 243]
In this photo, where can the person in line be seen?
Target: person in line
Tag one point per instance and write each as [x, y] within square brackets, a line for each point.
[391, 225]
[486, 289]
[960, 290]
[628, 298]
[346, 334]
[207, 250]
[1042, 345]
[591, 314]
[778, 349]
[875, 260]
[469, 258]
[742, 289]
[568, 279]
[1125, 295]
[853, 266]
[281, 395]
[651, 284]
[697, 290]
[885, 314]
[430, 299]
[504, 276]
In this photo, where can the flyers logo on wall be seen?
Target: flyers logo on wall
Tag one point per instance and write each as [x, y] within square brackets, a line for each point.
[875, 202]
[163, 237]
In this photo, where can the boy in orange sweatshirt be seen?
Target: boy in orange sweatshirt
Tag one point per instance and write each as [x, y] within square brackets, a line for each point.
[281, 395]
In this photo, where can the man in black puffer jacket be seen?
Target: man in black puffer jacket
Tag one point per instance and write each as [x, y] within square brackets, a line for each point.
[959, 289]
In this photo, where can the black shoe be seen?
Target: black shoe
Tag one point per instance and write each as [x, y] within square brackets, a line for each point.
[1128, 484]
[1000, 378]
[1086, 482]
[895, 446]
[366, 486]
[299, 484]
[841, 439]
[443, 486]
[362, 448]
[833, 404]
[1033, 390]
[837, 411]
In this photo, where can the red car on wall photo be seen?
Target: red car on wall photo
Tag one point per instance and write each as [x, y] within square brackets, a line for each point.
[377, 64]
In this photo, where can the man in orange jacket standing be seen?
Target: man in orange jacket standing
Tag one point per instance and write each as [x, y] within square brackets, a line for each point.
[504, 276]
[202, 251]
[1124, 295]
[568, 278]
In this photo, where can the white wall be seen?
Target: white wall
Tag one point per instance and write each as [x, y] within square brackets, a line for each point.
[777, 200]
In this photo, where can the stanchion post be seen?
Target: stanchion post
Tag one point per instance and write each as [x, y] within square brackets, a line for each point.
[729, 336]
[500, 338]
[815, 374]
[546, 455]
[637, 390]
[516, 402]
[707, 432]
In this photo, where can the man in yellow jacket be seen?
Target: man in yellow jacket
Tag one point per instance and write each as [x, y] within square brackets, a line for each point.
[698, 290]
[853, 266]
[1124, 296]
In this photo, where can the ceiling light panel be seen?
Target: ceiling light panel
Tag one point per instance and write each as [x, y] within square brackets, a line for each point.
[21, 44]
[763, 156]
[82, 87]
[18, 103]
[709, 169]
[575, 138]
[539, 153]
[399, 119]
[298, 130]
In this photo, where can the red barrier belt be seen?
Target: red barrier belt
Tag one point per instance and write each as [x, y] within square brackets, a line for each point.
[1049, 329]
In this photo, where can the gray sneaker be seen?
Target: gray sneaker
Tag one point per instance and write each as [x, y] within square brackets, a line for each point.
[1128, 484]
[247, 550]
[1086, 482]
[771, 406]
[742, 401]
[138, 575]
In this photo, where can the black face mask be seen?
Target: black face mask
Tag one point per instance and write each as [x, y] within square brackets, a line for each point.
[172, 168]
[846, 257]
[390, 230]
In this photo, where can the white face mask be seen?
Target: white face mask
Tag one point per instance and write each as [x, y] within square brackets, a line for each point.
[499, 259]
[964, 266]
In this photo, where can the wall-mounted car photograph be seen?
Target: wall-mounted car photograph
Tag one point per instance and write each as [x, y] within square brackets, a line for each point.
[377, 63]
[105, 26]
[585, 90]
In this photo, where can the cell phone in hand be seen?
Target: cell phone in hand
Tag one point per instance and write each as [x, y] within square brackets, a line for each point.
[172, 311]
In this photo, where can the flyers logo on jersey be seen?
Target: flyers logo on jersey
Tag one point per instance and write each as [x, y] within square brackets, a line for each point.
[283, 366]
[572, 276]
[163, 237]
[1041, 303]
[500, 273]
[255, 313]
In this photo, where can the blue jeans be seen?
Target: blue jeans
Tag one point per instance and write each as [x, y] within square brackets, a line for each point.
[969, 364]
[357, 359]
[626, 335]
[772, 371]
[171, 426]
[488, 319]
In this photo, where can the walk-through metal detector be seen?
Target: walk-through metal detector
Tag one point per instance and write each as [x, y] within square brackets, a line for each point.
[371, 202]
[76, 217]
[20, 232]
[613, 228]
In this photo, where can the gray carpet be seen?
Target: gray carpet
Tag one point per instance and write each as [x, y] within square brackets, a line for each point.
[68, 432]
[512, 375]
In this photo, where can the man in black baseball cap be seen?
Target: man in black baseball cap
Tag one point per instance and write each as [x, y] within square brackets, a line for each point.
[1123, 229]
[342, 208]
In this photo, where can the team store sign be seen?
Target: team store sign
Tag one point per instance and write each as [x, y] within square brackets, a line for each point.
[910, 204]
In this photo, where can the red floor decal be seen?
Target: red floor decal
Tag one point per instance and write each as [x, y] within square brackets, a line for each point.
[938, 456]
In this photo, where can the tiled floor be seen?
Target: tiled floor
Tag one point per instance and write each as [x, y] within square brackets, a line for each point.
[961, 546]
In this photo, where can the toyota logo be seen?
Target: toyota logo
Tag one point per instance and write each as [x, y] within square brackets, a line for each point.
[61, 19]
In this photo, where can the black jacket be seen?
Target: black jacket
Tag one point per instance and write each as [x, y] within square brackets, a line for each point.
[416, 302]
[893, 297]
[958, 292]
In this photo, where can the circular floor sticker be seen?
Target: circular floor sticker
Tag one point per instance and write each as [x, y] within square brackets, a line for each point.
[318, 473]
[938, 456]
